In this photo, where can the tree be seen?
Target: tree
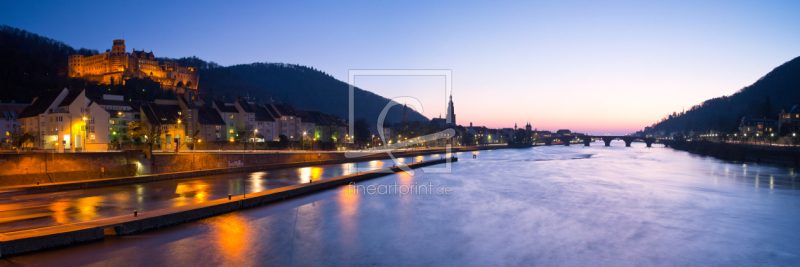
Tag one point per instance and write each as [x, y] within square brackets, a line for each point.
[283, 141]
[152, 136]
[767, 109]
[22, 139]
[136, 131]
[361, 131]
[469, 139]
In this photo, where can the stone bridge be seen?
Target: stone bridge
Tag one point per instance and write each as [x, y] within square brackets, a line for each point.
[587, 140]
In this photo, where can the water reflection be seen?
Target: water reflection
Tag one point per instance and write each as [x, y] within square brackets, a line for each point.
[87, 207]
[190, 193]
[347, 207]
[41, 210]
[257, 180]
[233, 240]
[60, 211]
[309, 174]
[552, 206]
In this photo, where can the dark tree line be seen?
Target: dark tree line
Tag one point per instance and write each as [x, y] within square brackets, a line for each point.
[30, 63]
[765, 98]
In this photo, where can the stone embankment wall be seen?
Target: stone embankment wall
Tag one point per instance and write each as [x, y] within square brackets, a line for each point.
[28, 168]
[165, 163]
[775, 155]
[183, 162]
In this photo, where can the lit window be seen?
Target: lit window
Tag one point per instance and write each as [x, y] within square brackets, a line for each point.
[231, 130]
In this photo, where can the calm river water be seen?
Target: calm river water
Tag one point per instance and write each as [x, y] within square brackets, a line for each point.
[546, 206]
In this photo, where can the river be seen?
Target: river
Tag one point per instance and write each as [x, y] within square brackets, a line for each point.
[545, 206]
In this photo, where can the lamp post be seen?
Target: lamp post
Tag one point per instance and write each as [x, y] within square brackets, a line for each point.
[84, 135]
[304, 139]
[771, 138]
[244, 176]
[119, 138]
[16, 133]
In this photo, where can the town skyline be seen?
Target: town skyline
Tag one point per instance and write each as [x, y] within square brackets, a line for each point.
[511, 63]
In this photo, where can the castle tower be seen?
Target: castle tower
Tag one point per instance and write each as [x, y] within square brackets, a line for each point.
[118, 57]
[528, 127]
[118, 48]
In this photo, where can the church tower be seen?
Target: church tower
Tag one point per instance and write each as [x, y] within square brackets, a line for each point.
[451, 113]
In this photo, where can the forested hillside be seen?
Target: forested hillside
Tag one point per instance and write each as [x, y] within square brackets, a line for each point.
[30, 63]
[780, 88]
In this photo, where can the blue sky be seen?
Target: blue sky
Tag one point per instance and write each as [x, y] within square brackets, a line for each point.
[590, 66]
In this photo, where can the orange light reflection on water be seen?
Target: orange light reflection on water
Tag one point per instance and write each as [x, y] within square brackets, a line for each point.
[59, 209]
[194, 192]
[233, 241]
[308, 174]
[257, 178]
[348, 200]
[87, 207]
[376, 164]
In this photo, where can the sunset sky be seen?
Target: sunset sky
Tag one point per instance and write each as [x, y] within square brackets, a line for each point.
[589, 66]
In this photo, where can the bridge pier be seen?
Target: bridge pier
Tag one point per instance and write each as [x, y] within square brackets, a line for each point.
[608, 140]
[628, 141]
[548, 141]
[649, 141]
[667, 143]
[566, 139]
[587, 141]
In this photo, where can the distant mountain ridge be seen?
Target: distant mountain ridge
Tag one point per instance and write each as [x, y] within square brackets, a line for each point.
[30, 63]
[780, 88]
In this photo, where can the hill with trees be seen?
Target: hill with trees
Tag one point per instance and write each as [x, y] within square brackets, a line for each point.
[30, 63]
[777, 90]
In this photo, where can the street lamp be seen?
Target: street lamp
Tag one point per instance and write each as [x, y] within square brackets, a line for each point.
[244, 147]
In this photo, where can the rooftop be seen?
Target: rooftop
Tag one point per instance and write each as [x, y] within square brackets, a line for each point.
[223, 107]
[41, 103]
[209, 116]
[11, 111]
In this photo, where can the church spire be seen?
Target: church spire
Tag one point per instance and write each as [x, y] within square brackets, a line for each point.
[451, 114]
